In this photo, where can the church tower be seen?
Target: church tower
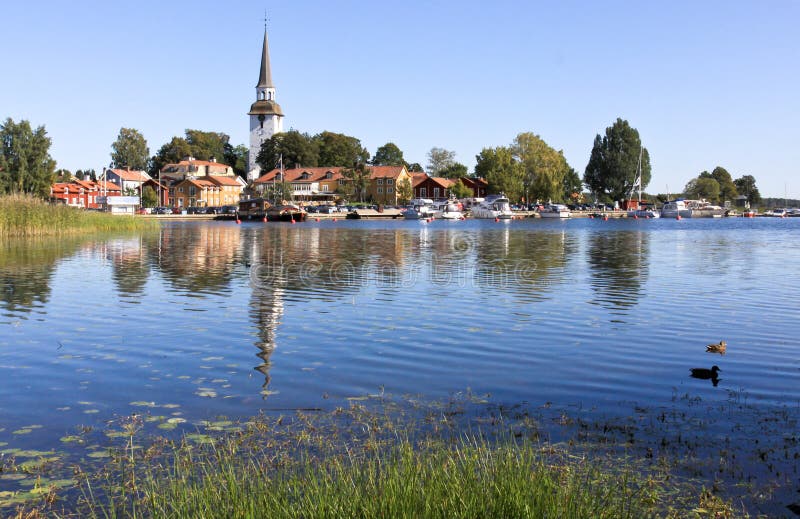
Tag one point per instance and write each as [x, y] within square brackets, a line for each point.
[266, 117]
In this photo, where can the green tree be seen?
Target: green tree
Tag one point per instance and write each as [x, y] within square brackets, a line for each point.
[415, 167]
[702, 187]
[63, 175]
[544, 167]
[746, 186]
[388, 155]
[358, 180]
[572, 184]
[501, 171]
[297, 149]
[727, 189]
[459, 190]
[439, 159]
[130, 150]
[236, 157]
[611, 172]
[336, 149]
[149, 197]
[25, 162]
[198, 144]
[405, 191]
[454, 170]
[172, 152]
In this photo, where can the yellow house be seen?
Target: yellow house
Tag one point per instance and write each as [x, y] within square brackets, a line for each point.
[384, 181]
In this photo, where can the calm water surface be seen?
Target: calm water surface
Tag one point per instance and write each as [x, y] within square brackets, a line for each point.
[202, 320]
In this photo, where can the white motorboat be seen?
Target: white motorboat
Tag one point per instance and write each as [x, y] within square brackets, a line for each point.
[555, 211]
[449, 210]
[420, 209]
[493, 206]
[691, 209]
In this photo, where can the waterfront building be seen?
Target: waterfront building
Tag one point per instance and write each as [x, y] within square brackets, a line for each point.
[266, 116]
[127, 179]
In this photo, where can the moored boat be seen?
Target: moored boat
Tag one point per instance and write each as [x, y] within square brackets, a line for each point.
[554, 211]
[286, 213]
[691, 209]
[449, 210]
[420, 209]
[493, 206]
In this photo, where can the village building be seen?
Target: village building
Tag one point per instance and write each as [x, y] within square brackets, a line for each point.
[208, 191]
[82, 193]
[384, 181]
[308, 184]
[191, 167]
[128, 180]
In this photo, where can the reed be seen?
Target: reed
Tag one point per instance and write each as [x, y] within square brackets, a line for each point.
[23, 215]
[440, 478]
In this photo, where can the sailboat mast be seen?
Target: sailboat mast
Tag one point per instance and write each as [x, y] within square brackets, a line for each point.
[639, 174]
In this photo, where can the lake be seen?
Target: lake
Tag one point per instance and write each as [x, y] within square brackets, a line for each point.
[596, 319]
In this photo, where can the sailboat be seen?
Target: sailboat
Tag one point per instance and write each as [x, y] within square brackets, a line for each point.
[637, 209]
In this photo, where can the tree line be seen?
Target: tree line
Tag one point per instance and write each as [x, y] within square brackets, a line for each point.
[527, 169]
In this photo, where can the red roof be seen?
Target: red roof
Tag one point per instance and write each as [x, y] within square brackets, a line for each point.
[386, 171]
[295, 175]
[131, 175]
[186, 163]
[224, 181]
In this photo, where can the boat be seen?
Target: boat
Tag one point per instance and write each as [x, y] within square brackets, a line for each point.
[554, 211]
[353, 215]
[639, 208]
[420, 209]
[449, 210]
[493, 206]
[286, 213]
[691, 209]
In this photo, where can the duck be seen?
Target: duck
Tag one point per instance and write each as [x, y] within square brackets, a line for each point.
[706, 373]
[717, 348]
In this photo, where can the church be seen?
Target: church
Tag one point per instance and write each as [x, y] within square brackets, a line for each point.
[266, 116]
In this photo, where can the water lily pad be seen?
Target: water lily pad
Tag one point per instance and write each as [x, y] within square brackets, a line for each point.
[116, 434]
[71, 439]
[99, 454]
[91, 411]
[155, 418]
[176, 420]
[212, 358]
[167, 426]
[13, 477]
[170, 406]
[22, 431]
[206, 392]
[200, 438]
[31, 453]
[141, 403]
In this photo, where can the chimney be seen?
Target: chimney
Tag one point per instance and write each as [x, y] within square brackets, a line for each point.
[212, 159]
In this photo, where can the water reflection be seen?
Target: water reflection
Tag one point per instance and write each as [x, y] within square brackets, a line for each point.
[618, 264]
[26, 269]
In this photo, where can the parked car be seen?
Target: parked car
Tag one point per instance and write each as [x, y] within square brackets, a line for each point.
[229, 209]
[327, 209]
[195, 210]
[213, 210]
[161, 210]
[177, 210]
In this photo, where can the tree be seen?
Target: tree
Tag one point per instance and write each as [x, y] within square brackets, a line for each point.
[454, 170]
[702, 187]
[198, 144]
[415, 167]
[358, 177]
[236, 158]
[544, 167]
[727, 189]
[572, 184]
[63, 175]
[439, 159]
[336, 149]
[130, 150]
[459, 190]
[611, 171]
[388, 155]
[25, 162]
[746, 185]
[297, 149]
[405, 191]
[149, 197]
[502, 172]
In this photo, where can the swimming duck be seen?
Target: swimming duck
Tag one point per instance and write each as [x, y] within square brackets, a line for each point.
[717, 348]
[705, 373]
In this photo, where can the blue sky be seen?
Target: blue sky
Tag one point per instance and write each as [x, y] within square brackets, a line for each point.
[706, 83]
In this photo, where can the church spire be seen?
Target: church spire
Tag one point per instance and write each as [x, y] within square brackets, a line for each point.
[265, 76]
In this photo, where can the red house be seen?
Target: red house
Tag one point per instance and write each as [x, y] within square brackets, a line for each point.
[81, 193]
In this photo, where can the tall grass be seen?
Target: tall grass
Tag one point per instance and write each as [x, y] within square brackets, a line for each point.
[22, 215]
[438, 479]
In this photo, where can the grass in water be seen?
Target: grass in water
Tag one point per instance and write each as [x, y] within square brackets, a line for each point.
[22, 215]
[355, 463]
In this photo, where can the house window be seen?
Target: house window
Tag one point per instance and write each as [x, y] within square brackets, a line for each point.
[180, 190]
[435, 192]
[423, 192]
[192, 191]
[341, 181]
[380, 190]
[325, 188]
[389, 181]
[389, 190]
[380, 182]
